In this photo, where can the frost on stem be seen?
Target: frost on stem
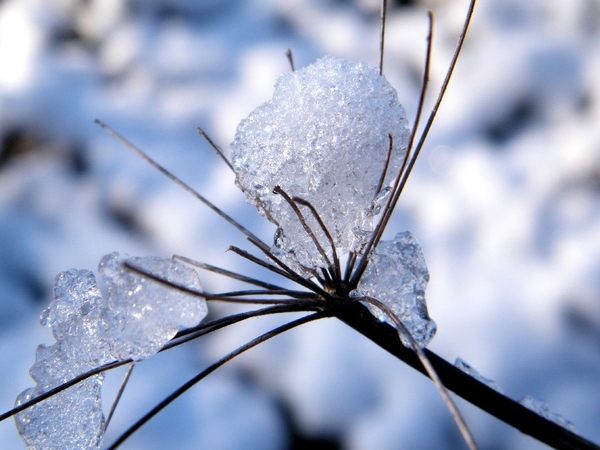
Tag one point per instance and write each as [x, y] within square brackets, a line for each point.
[137, 318]
[397, 276]
[542, 409]
[323, 137]
[468, 369]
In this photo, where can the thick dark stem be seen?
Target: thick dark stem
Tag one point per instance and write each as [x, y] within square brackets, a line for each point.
[465, 386]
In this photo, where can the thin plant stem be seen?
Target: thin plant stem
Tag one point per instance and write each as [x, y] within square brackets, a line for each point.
[290, 58]
[402, 330]
[186, 386]
[227, 273]
[216, 148]
[386, 166]
[336, 260]
[307, 229]
[179, 182]
[293, 276]
[383, 18]
[284, 271]
[119, 395]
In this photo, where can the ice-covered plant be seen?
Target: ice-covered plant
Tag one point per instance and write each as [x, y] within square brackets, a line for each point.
[326, 160]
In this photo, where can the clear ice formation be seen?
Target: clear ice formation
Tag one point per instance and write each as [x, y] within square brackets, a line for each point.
[135, 321]
[397, 276]
[468, 369]
[72, 419]
[323, 137]
[542, 409]
[142, 315]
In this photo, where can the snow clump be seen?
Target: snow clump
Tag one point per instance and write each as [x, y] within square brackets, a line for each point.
[324, 137]
[135, 321]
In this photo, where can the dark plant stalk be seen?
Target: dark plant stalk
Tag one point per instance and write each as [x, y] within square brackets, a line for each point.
[505, 409]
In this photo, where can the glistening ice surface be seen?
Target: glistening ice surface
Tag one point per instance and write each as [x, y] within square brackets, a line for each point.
[142, 315]
[73, 418]
[135, 321]
[323, 137]
[397, 276]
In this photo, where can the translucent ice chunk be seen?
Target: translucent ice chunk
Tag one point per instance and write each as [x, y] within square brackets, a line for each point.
[466, 368]
[142, 315]
[69, 420]
[72, 419]
[542, 409]
[76, 294]
[397, 276]
[323, 137]
[139, 316]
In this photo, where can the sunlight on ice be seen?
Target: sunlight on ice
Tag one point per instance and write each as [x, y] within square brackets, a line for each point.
[323, 137]
[136, 320]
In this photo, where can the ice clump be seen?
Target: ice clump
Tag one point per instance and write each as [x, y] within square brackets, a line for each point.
[135, 321]
[142, 315]
[397, 276]
[542, 409]
[468, 369]
[323, 137]
[72, 419]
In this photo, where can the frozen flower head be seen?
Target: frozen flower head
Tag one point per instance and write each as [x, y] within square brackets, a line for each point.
[324, 137]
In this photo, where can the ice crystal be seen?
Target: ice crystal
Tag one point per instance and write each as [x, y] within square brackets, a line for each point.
[142, 315]
[135, 321]
[397, 276]
[323, 137]
[542, 409]
[468, 369]
[73, 418]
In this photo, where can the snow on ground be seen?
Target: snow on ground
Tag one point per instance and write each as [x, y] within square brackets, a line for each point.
[504, 201]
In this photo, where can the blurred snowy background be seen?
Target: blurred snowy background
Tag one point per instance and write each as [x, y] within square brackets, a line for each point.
[505, 202]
